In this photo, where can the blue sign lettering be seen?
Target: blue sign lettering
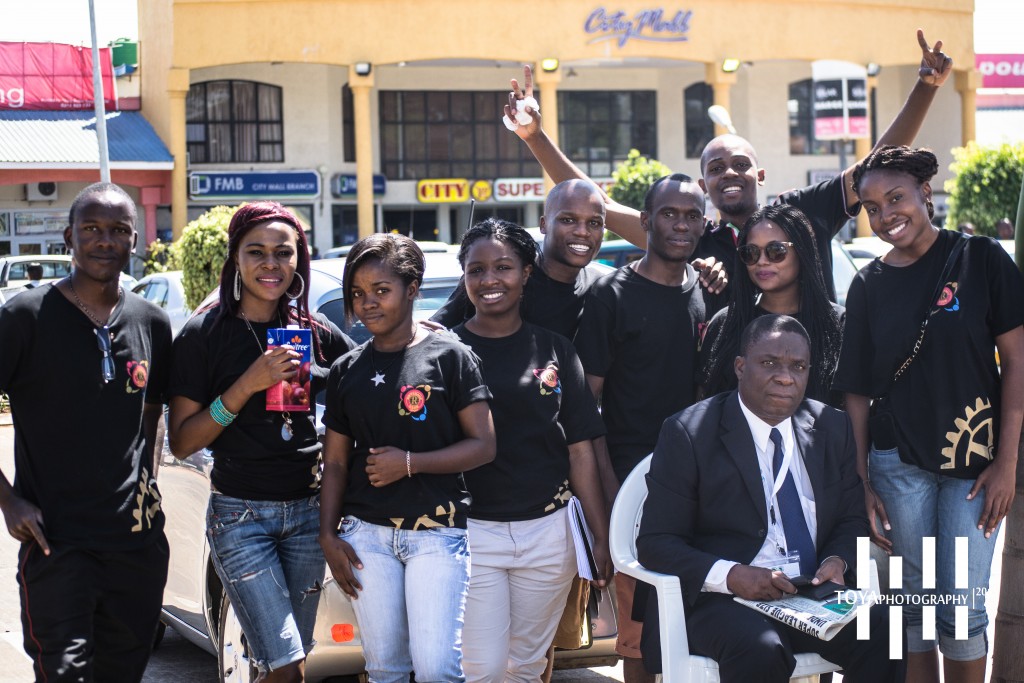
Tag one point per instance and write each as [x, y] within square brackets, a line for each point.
[649, 24]
[252, 184]
[343, 185]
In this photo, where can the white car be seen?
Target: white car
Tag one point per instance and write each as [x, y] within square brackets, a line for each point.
[14, 271]
[166, 291]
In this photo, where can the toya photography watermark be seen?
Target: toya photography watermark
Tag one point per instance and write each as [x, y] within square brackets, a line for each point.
[961, 599]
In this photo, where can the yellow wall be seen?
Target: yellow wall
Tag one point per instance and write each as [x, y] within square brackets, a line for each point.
[184, 41]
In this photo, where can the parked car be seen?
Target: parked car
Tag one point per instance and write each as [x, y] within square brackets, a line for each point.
[14, 271]
[864, 250]
[166, 291]
[194, 602]
[427, 247]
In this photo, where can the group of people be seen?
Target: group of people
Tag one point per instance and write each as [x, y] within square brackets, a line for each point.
[782, 426]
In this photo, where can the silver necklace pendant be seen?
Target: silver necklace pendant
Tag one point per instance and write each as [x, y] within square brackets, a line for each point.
[377, 379]
[286, 429]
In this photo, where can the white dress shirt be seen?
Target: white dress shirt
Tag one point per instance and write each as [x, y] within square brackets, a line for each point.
[775, 538]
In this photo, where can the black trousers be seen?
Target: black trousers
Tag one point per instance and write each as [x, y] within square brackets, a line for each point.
[91, 615]
[750, 646]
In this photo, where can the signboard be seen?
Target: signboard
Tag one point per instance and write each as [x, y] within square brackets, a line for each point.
[254, 184]
[442, 190]
[481, 190]
[40, 222]
[52, 77]
[345, 185]
[1000, 71]
[532, 189]
[840, 100]
[657, 25]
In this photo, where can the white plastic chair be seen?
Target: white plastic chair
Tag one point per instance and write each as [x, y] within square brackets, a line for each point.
[678, 665]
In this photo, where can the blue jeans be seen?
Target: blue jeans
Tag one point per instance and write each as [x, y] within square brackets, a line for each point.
[411, 608]
[919, 504]
[267, 555]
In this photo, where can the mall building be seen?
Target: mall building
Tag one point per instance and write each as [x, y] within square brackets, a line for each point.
[368, 115]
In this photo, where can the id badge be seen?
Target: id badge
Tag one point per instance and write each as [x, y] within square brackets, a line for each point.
[788, 564]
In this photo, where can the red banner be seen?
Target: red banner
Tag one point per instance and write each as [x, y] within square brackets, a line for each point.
[53, 77]
[1000, 71]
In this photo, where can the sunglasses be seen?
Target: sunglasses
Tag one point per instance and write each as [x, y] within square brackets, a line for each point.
[774, 251]
[107, 362]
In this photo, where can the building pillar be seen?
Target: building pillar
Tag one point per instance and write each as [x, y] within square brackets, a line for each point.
[967, 84]
[177, 91]
[547, 82]
[861, 148]
[150, 197]
[362, 87]
[721, 83]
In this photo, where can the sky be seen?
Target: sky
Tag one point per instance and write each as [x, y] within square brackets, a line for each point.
[996, 26]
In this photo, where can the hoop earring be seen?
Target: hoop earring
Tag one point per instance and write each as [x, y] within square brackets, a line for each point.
[238, 286]
[302, 290]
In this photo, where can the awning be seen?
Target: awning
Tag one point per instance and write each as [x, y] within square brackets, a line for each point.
[67, 140]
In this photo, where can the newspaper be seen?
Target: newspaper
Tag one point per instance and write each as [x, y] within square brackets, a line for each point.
[820, 618]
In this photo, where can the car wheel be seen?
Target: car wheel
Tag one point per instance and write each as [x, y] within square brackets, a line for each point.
[233, 660]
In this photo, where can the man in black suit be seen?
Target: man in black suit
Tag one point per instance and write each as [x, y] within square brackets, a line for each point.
[739, 482]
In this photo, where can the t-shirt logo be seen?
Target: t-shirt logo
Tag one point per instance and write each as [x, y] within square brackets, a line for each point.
[138, 375]
[412, 401]
[974, 435]
[549, 382]
[947, 299]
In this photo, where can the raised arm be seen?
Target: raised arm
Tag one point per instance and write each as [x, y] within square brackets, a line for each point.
[936, 66]
[621, 219]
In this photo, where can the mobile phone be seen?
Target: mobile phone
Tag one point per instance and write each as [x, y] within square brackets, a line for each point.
[801, 580]
[822, 591]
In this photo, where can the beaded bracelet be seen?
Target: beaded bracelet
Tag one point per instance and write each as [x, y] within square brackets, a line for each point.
[408, 464]
[220, 414]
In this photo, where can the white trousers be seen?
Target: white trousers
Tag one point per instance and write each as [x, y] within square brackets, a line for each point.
[517, 590]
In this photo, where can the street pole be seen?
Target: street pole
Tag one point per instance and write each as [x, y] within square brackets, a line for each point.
[97, 94]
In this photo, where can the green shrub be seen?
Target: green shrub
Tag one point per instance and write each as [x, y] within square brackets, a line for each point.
[201, 252]
[986, 185]
[633, 177]
[161, 257]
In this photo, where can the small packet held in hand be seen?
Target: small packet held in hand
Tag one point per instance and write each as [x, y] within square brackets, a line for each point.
[293, 395]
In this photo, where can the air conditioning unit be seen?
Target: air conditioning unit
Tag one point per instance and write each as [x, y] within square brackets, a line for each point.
[41, 192]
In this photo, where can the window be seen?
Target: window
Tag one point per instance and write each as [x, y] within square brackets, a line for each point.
[801, 123]
[598, 128]
[699, 127]
[438, 134]
[348, 125]
[234, 122]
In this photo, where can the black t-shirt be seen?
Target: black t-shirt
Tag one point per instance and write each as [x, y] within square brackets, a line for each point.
[541, 404]
[553, 305]
[824, 204]
[416, 408]
[79, 449]
[725, 378]
[947, 402]
[641, 337]
[250, 458]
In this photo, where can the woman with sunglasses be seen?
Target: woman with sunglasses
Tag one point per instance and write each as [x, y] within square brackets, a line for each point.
[263, 519]
[784, 276]
[937, 423]
[406, 413]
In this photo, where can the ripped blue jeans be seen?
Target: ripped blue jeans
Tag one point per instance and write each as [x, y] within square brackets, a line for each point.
[268, 557]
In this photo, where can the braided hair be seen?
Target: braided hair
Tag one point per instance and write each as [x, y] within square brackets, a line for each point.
[816, 311]
[510, 233]
[920, 164]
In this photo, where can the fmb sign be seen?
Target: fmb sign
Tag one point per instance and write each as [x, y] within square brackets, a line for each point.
[254, 185]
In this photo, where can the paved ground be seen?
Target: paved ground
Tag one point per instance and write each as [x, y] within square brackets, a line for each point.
[178, 660]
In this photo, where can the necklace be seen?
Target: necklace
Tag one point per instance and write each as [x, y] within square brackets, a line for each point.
[378, 377]
[286, 429]
[88, 313]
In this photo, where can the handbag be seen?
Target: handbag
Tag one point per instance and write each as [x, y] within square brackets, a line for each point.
[882, 427]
